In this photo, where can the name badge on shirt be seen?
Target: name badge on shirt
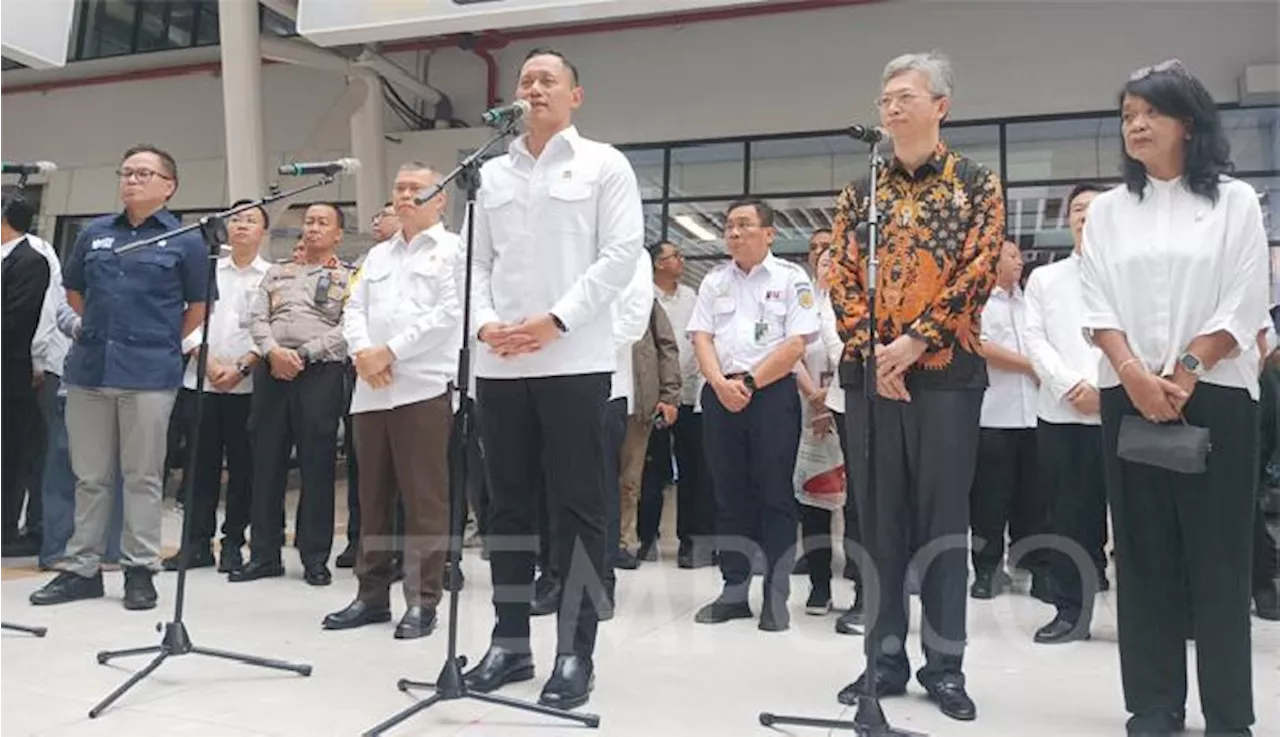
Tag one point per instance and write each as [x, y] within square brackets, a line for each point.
[322, 288]
[761, 328]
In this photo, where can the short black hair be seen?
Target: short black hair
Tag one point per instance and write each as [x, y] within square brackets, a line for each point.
[1174, 92]
[655, 249]
[337, 211]
[266, 219]
[1080, 189]
[166, 159]
[763, 211]
[548, 51]
[19, 213]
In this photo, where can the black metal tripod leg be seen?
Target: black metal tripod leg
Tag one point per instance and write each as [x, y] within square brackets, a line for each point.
[397, 718]
[590, 720]
[108, 655]
[769, 720]
[37, 631]
[102, 705]
[404, 684]
[303, 670]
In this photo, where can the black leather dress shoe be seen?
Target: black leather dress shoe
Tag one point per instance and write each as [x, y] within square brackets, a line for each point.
[774, 618]
[849, 694]
[625, 560]
[67, 587]
[570, 684]
[230, 558]
[417, 622]
[723, 609]
[497, 668]
[850, 623]
[1266, 604]
[546, 596]
[1061, 630]
[454, 579]
[257, 569]
[201, 557]
[1156, 724]
[984, 586]
[953, 701]
[347, 558]
[356, 614]
[316, 574]
[139, 590]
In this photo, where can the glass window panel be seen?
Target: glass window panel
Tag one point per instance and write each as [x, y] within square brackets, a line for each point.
[697, 229]
[978, 142]
[1269, 194]
[108, 28]
[806, 164]
[1069, 150]
[274, 24]
[182, 21]
[153, 26]
[647, 163]
[1255, 138]
[207, 25]
[714, 169]
[652, 223]
[1036, 217]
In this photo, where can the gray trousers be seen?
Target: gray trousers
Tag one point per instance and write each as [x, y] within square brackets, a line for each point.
[110, 431]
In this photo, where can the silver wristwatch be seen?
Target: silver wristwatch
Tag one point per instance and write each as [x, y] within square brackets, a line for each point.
[1192, 364]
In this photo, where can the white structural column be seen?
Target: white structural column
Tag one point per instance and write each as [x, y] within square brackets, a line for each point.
[242, 98]
[367, 134]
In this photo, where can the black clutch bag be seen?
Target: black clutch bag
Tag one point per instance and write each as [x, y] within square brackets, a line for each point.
[1181, 448]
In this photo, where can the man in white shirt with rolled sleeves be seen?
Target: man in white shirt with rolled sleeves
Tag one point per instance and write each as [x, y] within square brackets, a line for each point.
[558, 230]
[228, 387]
[403, 328]
[1069, 441]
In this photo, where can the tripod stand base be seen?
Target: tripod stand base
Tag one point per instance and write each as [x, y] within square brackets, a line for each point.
[869, 721]
[177, 641]
[451, 687]
[37, 631]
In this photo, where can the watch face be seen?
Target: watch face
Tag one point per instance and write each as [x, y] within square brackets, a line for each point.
[1190, 363]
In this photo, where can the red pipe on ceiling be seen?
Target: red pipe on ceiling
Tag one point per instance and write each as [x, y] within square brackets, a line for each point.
[482, 45]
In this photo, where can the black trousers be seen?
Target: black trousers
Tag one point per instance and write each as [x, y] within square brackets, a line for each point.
[1071, 474]
[615, 431]
[815, 529]
[546, 428]
[925, 452]
[1007, 492]
[1183, 546]
[305, 411]
[21, 409]
[224, 432]
[1266, 548]
[476, 490]
[657, 474]
[752, 457]
[695, 500]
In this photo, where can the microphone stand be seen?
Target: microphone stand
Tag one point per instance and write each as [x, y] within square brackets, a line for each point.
[176, 641]
[450, 685]
[869, 719]
[37, 631]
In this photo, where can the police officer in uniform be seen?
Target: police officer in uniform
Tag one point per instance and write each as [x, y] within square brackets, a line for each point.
[298, 397]
[751, 323]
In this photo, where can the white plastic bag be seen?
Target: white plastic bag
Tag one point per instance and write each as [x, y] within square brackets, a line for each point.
[820, 473]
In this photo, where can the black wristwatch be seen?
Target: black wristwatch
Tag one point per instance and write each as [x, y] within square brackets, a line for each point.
[749, 382]
[243, 368]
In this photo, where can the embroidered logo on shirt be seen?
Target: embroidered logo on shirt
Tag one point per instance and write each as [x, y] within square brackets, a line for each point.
[805, 294]
[101, 243]
[568, 174]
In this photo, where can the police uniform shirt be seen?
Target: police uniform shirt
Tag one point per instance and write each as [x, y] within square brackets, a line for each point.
[229, 337]
[131, 328]
[405, 297]
[299, 306]
[1010, 400]
[750, 315]
[559, 234]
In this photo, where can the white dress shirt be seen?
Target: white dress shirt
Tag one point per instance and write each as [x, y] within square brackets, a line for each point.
[631, 313]
[750, 314]
[1010, 400]
[1173, 266]
[679, 308]
[229, 337]
[559, 233]
[49, 347]
[407, 299]
[833, 347]
[1055, 341]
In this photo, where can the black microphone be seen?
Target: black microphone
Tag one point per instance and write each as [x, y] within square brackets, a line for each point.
[506, 113]
[867, 135]
[35, 167]
[341, 166]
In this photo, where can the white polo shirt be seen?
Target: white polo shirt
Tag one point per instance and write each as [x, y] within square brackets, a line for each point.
[229, 337]
[559, 233]
[1010, 400]
[406, 297]
[750, 314]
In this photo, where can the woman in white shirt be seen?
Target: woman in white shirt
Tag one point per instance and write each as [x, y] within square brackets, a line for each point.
[824, 411]
[1174, 278]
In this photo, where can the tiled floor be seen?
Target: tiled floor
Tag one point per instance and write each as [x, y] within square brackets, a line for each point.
[658, 672]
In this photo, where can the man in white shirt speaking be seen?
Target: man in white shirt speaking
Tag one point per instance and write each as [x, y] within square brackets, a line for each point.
[403, 327]
[1069, 441]
[558, 230]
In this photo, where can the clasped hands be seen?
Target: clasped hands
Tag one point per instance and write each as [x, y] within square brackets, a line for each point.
[373, 365]
[1158, 398]
[892, 362]
[527, 335]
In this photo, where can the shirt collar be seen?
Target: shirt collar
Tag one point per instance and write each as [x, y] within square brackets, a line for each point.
[258, 264]
[425, 239]
[999, 291]
[934, 164]
[162, 216]
[770, 265]
[569, 136]
[7, 247]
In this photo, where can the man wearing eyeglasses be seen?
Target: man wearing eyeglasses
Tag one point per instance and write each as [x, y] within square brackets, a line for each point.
[123, 373]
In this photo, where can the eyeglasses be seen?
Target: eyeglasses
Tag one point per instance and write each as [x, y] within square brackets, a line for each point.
[1171, 65]
[672, 256]
[142, 175]
[904, 99]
